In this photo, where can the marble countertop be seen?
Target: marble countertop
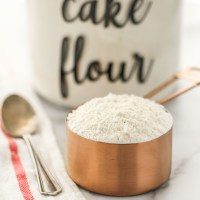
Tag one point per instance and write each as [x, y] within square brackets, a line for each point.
[185, 177]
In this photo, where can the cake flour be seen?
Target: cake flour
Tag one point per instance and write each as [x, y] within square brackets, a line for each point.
[120, 119]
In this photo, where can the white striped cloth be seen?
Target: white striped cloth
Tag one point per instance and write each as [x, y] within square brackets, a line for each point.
[17, 176]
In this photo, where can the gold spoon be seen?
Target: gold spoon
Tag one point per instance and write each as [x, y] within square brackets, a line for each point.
[20, 121]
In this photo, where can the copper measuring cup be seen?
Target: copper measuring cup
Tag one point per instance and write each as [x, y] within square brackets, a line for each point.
[125, 169]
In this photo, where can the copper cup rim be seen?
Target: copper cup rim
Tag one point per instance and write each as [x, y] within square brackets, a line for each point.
[121, 144]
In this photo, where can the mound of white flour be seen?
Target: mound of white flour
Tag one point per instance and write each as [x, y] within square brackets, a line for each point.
[120, 119]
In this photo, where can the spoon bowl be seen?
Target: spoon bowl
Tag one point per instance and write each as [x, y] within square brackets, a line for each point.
[18, 116]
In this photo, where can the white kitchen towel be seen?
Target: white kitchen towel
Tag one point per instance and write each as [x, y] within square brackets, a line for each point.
[17, 175]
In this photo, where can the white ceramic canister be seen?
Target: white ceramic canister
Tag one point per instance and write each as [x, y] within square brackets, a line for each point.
[87, 48]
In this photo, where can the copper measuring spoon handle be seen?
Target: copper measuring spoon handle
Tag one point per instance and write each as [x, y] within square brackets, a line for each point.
[191, 74]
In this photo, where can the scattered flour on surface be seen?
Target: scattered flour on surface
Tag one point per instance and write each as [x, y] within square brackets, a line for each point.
[120, 119]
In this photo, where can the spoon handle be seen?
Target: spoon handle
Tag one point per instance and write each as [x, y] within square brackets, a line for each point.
[42, 165]
[41, 168]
